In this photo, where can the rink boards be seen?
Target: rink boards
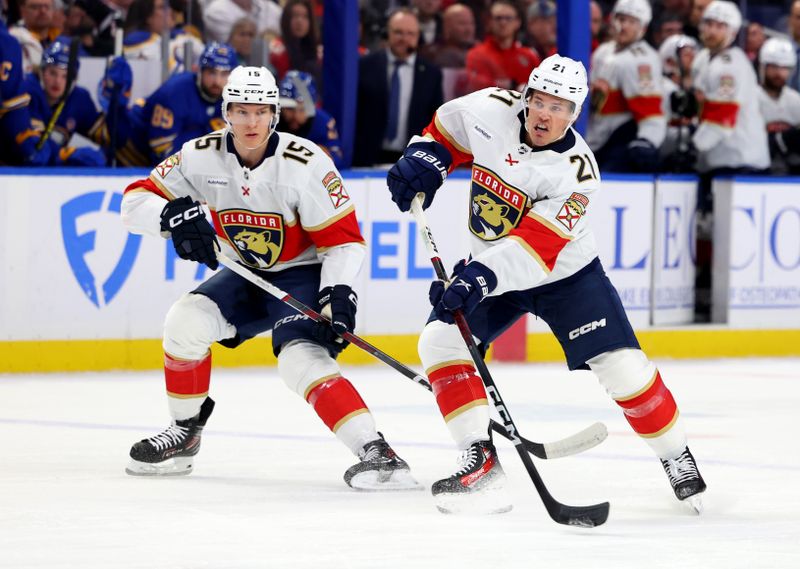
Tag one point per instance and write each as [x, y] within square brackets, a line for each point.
[79, 292]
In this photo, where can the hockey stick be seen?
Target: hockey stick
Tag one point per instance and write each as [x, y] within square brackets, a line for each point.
[586, 439]
[72, 74]
[583, 516]
[112, 104]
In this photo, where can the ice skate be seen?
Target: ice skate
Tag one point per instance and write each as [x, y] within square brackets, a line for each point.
[171, 452]
[685, 479]
[380, 469]
[478, 487]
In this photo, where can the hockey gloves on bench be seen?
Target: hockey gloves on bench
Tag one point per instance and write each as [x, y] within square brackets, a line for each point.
[469, 284]
[422, 169]
[192, 235]
[339, 303]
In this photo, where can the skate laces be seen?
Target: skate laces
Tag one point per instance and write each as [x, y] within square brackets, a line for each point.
[376, 450]
[681, 469]
[469, 459]
[173, 435]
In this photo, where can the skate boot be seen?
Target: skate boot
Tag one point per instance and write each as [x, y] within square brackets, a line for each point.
[685, 479]
[478, 487]
[380, 469]
[170, 453]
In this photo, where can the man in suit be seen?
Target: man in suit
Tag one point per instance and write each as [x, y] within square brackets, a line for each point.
[398, 93]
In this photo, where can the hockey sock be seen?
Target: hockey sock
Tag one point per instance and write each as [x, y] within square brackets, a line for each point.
[462, 401]
[187, 385]
[341, 408]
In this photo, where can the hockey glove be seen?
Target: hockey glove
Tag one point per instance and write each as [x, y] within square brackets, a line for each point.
[643, 155]
[470, 284]
[118, 79]
[339, 303]
[422, 169]
[84, 156]
[192, 235]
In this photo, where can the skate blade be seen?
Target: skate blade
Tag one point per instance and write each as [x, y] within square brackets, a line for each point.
[694, 504]
[170, 467]
[384, 481]
[485, 502]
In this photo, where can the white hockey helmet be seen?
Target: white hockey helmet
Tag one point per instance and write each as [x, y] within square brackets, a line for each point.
[726, 13]
[559, 76]
[668, 51]
[777, 51]
[254, 85]
[639, 9]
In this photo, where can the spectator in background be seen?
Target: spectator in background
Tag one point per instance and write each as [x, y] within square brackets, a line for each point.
[299, 46]
[627, 125]
[301, 116]
[500, 60]
[242, 35]
[679, 103]
[540, 28]
[668, 24]
[430, 21]
[780, 105]
[398, 93]
[695, 16]
[220, 15]
[794, 34]
[597, 25]
[754, 39]
[458, 36]
[145, 23]
[35, 31]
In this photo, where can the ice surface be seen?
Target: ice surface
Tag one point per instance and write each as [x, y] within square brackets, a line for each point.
[267, 489]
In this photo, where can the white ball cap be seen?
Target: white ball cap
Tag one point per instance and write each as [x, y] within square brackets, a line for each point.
[639, 9]
[777, 51]
[726, 13]
[668, 51]
[561, 77]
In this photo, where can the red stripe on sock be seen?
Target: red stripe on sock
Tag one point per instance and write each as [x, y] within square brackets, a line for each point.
[456, 386]
[335, 399]
[651, 411]
[190, 377]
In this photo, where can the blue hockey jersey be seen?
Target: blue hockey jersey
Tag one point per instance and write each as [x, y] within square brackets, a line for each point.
[17, 138]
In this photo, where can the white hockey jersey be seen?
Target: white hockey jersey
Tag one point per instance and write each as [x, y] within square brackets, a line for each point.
[292, 209]
[528, 206]
[780, 113]
[626, 84]
[731, 133]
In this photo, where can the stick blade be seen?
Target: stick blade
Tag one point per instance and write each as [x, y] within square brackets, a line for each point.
[580, 516]
[588, 438]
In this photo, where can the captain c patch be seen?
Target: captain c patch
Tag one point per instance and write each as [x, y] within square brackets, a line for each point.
[573, 209]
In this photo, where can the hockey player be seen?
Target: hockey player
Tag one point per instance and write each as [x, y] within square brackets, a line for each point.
[79, 113]
[183, 108]
[533, 181]
[627, 125]
[18, 139]
[731, 136]
[301, 117]
[780, 104]
[679, 103]
[278, 200]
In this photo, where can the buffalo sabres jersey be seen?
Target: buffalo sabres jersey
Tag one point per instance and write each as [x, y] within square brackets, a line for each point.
[626, 85]
[731, 133]
[528, 206]
[291, 209]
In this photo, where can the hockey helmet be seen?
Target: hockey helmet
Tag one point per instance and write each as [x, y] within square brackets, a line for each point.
[669, 51]
[726, 13]
[57, 54]
[777, 51]
[218, 56]
[298, 88]
[639, 9]
[559, 76]
[254, 85]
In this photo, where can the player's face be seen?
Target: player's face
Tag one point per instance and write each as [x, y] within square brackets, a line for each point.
[627, 27]
[686, 56]
[775, 77]
[548, 118]
[250, 122]
[213, 80]
[713, 34]
[54, 81]
[294, 118]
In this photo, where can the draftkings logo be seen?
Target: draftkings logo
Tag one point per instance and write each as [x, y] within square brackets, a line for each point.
[258, 237]
[80, 244]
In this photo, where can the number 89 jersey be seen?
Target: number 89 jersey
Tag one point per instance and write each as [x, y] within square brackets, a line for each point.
[528, 206]
[291, 209]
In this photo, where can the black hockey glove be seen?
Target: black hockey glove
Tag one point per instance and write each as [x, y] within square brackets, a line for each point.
[339, 303]
[469, 284]
[192, 235]
[422, 169]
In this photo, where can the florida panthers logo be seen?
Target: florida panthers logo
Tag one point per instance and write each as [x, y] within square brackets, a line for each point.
[257, 237]
[495, 207]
